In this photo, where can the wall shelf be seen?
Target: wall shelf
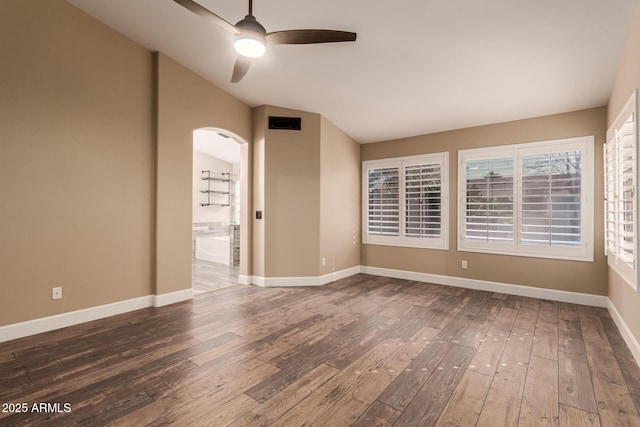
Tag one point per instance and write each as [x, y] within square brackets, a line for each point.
[224, 178]
[210, 178]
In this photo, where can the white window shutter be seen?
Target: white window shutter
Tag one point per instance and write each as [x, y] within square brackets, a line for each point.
[384, 202]
[489, 200]
[423, 201]
[621, 203]
[405, 201]
[551, 199]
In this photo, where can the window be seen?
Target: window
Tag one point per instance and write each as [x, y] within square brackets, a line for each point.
[533, 199]
[404, 201]
[384, 202]
[489, 201]
[621, 204]
[551, 205]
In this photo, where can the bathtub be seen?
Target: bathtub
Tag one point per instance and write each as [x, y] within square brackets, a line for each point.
[213, 249]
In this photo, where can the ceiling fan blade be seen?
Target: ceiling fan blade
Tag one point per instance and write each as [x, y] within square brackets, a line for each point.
[207, 14]
[240, 69]
[310, 36]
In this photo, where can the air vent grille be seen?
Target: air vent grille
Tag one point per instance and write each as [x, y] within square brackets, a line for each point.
[285, 123]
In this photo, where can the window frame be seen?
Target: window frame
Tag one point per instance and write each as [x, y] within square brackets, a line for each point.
[585, 252]
[630, 274]
[402, 163]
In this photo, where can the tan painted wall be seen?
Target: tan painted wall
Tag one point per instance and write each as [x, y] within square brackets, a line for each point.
[76, 162]
[259, 129]
[339, 199]
[85, 114]
[299, 179]
[292, 197]
[625, 299]
[186, 102]
[572, 276]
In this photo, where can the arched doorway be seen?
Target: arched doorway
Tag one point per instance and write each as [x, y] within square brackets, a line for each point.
[216, 209]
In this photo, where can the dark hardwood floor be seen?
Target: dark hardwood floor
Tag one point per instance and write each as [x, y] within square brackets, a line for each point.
[364, 351]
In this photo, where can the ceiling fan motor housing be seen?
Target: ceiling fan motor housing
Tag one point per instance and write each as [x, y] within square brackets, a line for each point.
[250, 23]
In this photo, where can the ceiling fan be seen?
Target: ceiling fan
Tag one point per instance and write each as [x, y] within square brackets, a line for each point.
[252, 38]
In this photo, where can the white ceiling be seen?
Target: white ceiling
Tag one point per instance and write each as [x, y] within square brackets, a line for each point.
[418, 66]
[211, 142]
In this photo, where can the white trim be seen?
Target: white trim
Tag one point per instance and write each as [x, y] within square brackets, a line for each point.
[406, 245]
[629, 273]
[244, 280]
[483, 285]
[269, 282]
[50, 323]
[257, 280]
[626, 333]
[401, 164]
[63, 320]
[460, 282]
[172, 297]
[515, 153]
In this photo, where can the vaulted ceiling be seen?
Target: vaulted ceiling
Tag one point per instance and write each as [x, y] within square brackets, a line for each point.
[418, 66]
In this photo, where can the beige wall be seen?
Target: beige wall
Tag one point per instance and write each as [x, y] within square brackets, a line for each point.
[300, 178]
[339, 199]
[292, 197]
[625, 299]
[76, 162]
[186, 102]
[585, 277]
[96, 143]
[259, 129]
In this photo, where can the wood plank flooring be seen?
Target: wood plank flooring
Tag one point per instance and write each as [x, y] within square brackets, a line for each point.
[211, 276]
[363, 351]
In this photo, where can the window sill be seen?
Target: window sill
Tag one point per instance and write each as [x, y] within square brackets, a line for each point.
[442, 247]
[580, 258]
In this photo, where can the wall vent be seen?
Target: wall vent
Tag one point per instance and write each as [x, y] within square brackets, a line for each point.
[285, 123]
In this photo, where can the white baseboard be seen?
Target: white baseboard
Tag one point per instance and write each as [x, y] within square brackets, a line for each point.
[269, 282]
[50, 323]
[58, 321]
[172, 297]
[483, 285]
[626, 333]
[342, 274]
[32, 327]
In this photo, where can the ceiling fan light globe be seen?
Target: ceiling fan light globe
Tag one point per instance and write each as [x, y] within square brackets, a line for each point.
[250, 46]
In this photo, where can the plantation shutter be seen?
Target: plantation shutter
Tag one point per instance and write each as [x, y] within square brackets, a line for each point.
[423, 201]
[384, 201]
[610, 195]
[621, 204]
[531, 199]
[626, 189]
[551, 199]
[489, 200]
[620, 179]
[404, 201]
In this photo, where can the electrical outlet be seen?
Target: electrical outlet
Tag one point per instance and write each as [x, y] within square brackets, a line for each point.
[464, 264]
[56, 293]
[324, 261]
